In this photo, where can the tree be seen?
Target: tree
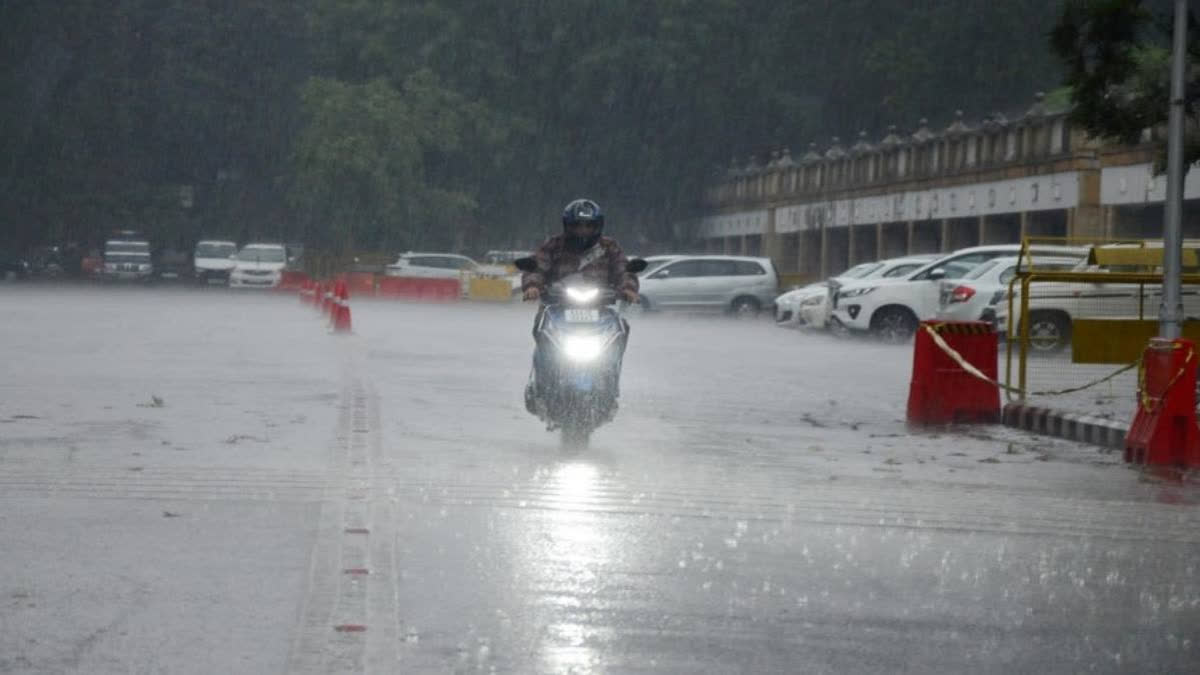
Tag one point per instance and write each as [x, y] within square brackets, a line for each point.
[1117, 58]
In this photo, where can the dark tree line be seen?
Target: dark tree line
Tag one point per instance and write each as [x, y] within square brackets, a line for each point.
[465, 124]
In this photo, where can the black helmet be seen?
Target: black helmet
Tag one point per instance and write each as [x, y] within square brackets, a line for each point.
[583, 211]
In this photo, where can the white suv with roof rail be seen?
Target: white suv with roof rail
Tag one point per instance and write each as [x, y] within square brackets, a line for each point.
[892, 308]
[737, 284]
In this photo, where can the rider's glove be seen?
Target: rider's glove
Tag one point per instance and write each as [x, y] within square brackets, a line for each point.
[532, 293]
[629, 296]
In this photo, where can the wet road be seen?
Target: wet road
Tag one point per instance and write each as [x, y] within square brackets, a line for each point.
[209, 482]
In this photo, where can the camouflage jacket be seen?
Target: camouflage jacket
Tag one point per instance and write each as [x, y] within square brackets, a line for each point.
[603, 263]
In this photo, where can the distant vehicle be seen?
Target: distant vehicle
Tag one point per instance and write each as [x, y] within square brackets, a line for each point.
[892, 308]
[812, 305]
[431, 265]
[127, 260]
[737, 284]
[172, 264]
[47, 262]
[258, 266]
[211, 261]
[976, 296]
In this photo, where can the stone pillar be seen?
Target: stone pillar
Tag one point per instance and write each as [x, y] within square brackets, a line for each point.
[850, 246]
[744, 244]
[1109, 218]
[945, 244]
[1086, 219]
[880, 252]
[770, 239]
[1024, 226]
[982, 230]
[824, 252]
[908, 227]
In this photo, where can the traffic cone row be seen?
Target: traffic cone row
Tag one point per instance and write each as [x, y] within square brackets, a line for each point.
[331, 299]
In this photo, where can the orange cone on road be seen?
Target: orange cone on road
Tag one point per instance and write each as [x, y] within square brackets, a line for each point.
[341, 308]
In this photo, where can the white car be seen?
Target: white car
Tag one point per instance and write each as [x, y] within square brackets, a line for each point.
[812, 305]
[1055, 305]
[978, 295]
[432, 266]
[892, 308]
[737, 284]
[211, 261]
[258, 266]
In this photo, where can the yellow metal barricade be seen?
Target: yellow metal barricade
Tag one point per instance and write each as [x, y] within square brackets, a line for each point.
[1074, 337]
[492, 290]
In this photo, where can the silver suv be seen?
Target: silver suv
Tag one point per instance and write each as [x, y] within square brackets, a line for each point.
[732, 283]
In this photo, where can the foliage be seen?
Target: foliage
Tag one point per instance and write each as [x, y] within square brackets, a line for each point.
[461, 124]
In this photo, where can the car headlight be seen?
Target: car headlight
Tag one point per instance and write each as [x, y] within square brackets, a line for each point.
[855, 292]
[583, 347]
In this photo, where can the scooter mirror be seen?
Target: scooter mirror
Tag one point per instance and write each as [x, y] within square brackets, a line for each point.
[526, 264]
[636, 265]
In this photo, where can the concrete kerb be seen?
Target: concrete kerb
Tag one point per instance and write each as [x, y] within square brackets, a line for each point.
[1072, 426]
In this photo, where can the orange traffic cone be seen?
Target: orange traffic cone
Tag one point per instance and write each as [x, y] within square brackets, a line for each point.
[341, 308]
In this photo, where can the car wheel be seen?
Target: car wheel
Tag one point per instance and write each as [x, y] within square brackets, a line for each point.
[1049, 331]
[894, 325]
[745, 308]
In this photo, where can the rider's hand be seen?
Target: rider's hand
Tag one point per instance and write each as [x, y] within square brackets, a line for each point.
[629, 296]
[532, 293]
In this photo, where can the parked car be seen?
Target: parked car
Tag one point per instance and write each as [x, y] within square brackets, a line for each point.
[737, 284]
[258, 266]
[892, 308]
[172, 264]
[1055, 305]
[431, 265]
[47, 262]
[127, 260]
[812, 305]
[978, 295]
[212, 261]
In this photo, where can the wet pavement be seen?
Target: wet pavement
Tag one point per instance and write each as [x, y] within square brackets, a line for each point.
[211, 482]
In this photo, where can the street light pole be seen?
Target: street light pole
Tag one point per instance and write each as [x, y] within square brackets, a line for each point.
[1171, 312]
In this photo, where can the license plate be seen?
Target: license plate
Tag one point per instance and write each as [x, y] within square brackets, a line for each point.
[583, 315]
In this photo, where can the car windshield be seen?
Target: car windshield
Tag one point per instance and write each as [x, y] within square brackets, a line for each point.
[860, 271]
[127, 247]
[982, 268]
[266, 254]
[214, 250]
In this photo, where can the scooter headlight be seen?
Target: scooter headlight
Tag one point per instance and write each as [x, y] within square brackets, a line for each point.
[582, 294]
[583, 347]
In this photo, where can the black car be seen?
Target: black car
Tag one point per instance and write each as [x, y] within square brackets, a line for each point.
[173, 265]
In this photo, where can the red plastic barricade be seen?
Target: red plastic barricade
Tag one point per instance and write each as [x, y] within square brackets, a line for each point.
[416, 288]
[290, 280]
[1164, 430]
[360, 284]
[942, 391]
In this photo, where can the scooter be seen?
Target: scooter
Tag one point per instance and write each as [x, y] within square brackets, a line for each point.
[580, 336]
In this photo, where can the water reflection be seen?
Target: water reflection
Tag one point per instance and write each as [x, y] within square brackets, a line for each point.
[570, 567]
